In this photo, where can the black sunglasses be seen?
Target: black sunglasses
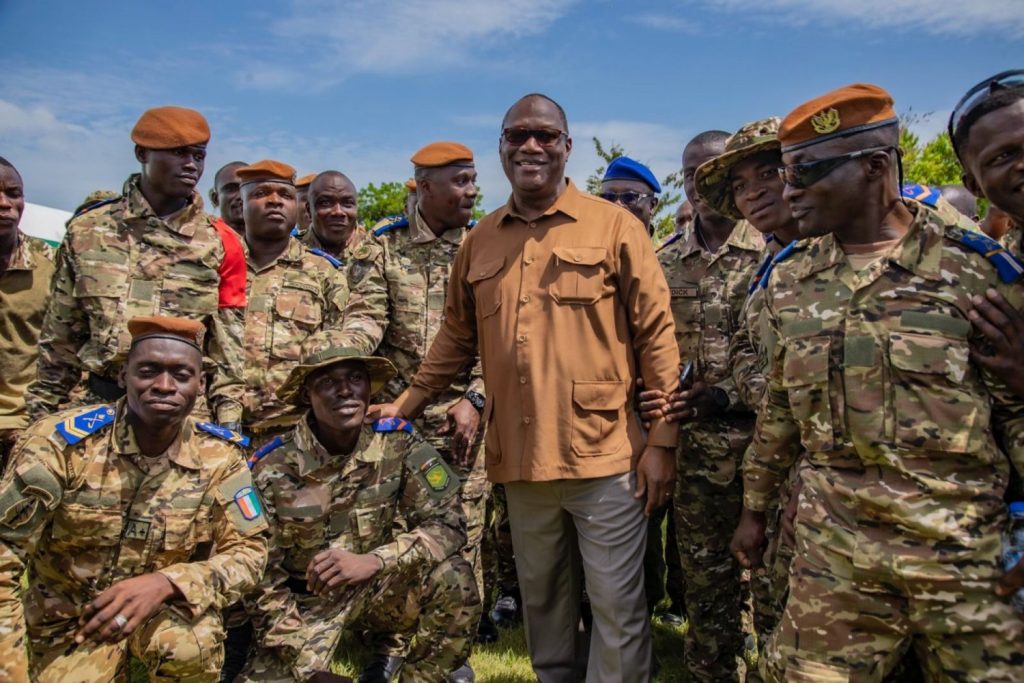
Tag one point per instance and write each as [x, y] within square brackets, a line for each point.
[978, 94]
[545, 137]
[626, 198]
[804, 175]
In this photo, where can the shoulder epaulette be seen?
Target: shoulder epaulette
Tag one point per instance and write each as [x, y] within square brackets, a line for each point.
[331, 259]
[223, 433]
[761, 270]
[471, 224]
[296, 232]
[781, 256]
[77, 427]
[392, 424]
[669, 242]
[928, 196]
[1006, 264]
[264, 450]
[392, 224]
[104, 202]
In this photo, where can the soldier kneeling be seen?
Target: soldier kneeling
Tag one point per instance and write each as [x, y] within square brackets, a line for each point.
[136, 523]
[366, 529]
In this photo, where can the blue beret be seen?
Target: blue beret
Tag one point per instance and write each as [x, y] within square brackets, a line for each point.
[624, 168]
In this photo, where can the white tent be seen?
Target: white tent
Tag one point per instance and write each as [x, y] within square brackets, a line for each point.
[44, 222]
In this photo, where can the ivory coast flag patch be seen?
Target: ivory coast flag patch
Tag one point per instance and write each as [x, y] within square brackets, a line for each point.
[248, 503]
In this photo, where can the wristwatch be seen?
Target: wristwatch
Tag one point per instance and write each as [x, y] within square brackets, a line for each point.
[476, 398]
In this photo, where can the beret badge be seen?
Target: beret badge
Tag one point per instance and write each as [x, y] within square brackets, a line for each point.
[825, 121]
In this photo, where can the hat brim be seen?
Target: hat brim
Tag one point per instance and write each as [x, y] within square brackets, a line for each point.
[381, 372]
[712, 177]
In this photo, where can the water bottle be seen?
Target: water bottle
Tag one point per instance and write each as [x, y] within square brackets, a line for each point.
[1013, 548]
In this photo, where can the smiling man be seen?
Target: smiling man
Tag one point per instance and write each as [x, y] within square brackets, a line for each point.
[136, 523]
[561, 293]
[152, 250]
[901, 511]
[334, 207]
[366, 531]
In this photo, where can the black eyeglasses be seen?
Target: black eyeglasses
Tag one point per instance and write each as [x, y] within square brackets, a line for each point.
[545, 137]
[981, 92]
[804, 175]
[625, 198]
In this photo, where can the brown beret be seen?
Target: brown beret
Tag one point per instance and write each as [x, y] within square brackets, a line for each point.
[849, 110]
[170, 128]
[410, 184]
[305, 180]
[267, 170]
[443, 154]
[162, 327]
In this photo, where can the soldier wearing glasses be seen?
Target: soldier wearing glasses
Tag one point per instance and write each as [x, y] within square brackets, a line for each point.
[898, 527]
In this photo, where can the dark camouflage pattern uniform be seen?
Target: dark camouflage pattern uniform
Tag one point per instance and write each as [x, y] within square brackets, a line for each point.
[82, 517]
[898, 528]
[707, 293]
[392, 496]
[119, 261]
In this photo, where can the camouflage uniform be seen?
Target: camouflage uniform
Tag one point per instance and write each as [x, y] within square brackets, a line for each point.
[392, 496]
[81, 508]
[898, 528]
[118, 261]
[351, 252]
[416, 267]
[1013, 240]
[291, 299]
[24, 292]
[707, 293]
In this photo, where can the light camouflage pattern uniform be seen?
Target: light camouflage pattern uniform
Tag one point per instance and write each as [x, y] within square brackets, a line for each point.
[707, 293]
[83, 516]
[392, 496]
[416, 267]
[898, 527]
[351, 252]
[119, 261]
[297, 296]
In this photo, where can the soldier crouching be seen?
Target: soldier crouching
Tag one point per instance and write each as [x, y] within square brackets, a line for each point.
[335, 489]
[136, 524]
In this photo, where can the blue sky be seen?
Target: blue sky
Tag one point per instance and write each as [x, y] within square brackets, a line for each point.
[360, 85]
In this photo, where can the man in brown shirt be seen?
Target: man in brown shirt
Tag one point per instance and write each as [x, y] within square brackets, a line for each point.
[562, 294]
[26, 266]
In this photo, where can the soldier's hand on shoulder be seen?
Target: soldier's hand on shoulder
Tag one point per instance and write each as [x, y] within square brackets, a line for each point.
[333, 568]
[379, 411]
[1003, 325]
[463, 423]
[122, 608]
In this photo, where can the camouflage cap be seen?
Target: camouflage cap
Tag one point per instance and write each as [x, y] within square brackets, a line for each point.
[381, 370]
[712, 178]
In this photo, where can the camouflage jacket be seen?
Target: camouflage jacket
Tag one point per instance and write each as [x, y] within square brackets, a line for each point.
[82, 509]
[870, 374]
[1013, 240]
[708, 291]
[416, 267]
[292, 299]
[118, 261]
[310, 239]
[393, 496]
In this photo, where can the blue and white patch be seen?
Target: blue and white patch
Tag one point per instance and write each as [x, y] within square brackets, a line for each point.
[786, 252]
[76, 428]
[1008, 267]
[331, 259]
[393, 224]
[392, 424]
[224, 433]
[929, 196]
[264, 450]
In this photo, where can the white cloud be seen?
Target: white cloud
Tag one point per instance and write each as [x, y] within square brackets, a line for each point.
[977, 17]
[658, 146]
[665, 22]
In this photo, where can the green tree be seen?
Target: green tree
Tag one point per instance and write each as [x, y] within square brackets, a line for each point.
[932, 163]
[663, 219]
[380, 201]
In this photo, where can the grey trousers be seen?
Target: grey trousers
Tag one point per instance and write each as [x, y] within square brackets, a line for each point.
[557, 527]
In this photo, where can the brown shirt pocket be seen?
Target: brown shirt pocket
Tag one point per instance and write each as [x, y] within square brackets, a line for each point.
[598, 421]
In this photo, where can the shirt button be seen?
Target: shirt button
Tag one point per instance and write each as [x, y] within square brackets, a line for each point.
[525, 299]
[576, 258]
[522, 380]
[533, 225]
[526, 420]
[522, 338]
[528, 260]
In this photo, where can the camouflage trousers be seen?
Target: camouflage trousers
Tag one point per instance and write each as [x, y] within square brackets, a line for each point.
[475, 492]
[850, 625]
[497, 555]
[435, 606]
[707, 503]
[171, 647]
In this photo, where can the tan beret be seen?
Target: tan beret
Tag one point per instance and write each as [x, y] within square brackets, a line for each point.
[305, 180]
[164, 327]
[267, 170]
[410, 184]
[443, 154]
[845, 111]
[170, 128]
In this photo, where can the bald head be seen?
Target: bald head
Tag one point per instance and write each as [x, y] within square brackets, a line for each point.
[333, 209]
[331, 178]
[563, 120]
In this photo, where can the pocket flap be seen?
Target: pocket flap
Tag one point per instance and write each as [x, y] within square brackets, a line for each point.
[298, 304]
[101, 526]
[179, 530]
[599, 395]
[929, 354]
[806, 361]
[581, 256]
[482, 271]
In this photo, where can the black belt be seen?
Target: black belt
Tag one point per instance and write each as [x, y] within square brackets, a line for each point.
[106, 389]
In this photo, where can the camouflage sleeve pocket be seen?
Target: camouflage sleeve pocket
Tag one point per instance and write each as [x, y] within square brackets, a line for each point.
[26, 497]
[805, 376]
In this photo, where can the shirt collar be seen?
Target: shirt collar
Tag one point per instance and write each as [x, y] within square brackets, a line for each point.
[313, 456]
[177, 452]
[292, 254]
[420, 232]
[181, 222]
[568, 203]
[24, 258]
